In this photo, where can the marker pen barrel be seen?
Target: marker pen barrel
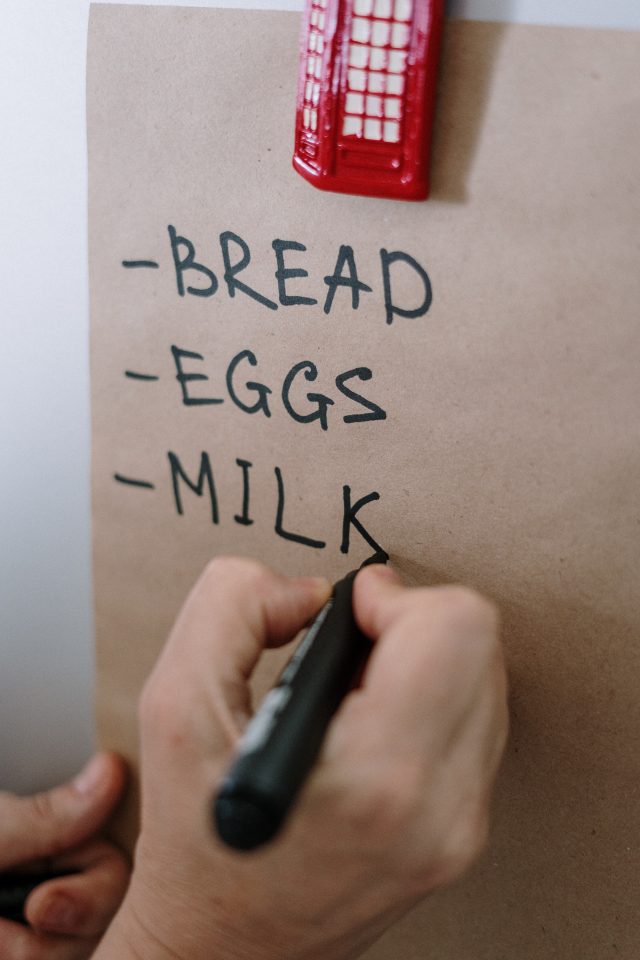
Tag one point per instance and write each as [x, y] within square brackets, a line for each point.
[283, 740]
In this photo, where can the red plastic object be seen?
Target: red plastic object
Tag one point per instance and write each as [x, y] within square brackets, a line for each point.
[366, 95]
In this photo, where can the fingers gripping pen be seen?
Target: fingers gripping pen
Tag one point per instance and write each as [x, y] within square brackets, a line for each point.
[283, 740]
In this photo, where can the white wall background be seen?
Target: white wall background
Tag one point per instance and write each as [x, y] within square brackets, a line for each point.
[46, 656]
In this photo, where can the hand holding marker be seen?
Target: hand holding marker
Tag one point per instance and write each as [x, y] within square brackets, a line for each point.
[283, 740]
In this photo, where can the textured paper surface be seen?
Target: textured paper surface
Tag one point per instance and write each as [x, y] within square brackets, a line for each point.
[509, 456]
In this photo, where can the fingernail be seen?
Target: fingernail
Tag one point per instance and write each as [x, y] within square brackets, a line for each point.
[90, 777]
[60, 915]
[383, 572]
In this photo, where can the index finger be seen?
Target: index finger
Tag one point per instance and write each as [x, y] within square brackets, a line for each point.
[238, 607]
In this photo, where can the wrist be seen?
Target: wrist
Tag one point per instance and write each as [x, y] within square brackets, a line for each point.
[140, 932]
[128, 938]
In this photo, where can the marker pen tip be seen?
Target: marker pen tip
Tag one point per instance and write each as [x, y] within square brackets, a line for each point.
[380, 556]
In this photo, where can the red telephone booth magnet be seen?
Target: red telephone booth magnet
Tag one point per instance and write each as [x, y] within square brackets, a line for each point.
[366, 95]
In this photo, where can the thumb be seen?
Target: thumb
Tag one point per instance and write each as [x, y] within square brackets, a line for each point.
[378, 596]
[51, 822]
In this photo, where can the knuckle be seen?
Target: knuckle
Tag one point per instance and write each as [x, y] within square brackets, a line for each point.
[217, 567]
[234, 569]
[382, 809]
[463, 845]
[238, 579]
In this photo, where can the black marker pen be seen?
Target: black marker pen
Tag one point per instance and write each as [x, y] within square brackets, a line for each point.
[283, 739]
